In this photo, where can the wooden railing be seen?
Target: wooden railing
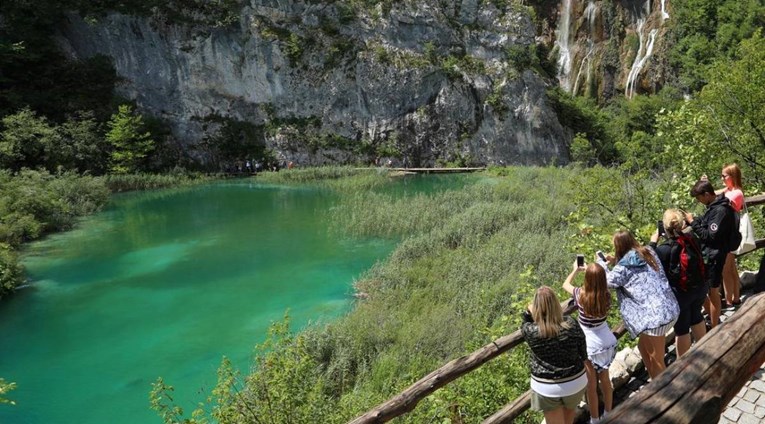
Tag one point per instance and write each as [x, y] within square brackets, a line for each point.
[406, 400]
[698, 387]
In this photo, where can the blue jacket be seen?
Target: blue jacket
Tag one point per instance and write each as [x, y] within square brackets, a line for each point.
[645, 298]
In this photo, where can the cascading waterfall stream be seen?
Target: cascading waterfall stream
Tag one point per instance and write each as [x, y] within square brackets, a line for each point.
[563, 41]
[645, 50]
[664, 14]
[585, 61]
[590, 12]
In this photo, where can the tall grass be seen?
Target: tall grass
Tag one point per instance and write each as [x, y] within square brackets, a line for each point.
[460, 278]
[141, 181]
[345, 179]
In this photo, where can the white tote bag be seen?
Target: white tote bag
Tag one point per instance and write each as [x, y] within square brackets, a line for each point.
[747, 235]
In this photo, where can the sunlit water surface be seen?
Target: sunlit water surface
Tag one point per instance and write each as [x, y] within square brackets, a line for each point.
[166, 284]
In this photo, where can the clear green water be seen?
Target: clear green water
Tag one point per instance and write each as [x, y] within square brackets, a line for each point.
[165, 285]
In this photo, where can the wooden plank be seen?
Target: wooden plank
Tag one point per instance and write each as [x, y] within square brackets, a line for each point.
[698, 387]
[755, 200]
[439, 170]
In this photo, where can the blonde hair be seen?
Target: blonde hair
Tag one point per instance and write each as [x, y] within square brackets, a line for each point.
[595, 298]
[624, 241]
[734, 172]
[547, 313]
[674, 222]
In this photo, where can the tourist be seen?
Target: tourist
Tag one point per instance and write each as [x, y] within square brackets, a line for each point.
[557, 356]
[593, 302]
[683, 265]
[715, 231]
[646, 302]
[731, 176]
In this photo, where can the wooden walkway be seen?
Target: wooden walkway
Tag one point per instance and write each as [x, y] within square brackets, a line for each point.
[747, 406]
[437, 170]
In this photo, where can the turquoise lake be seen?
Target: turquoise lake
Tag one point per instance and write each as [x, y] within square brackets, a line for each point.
[166, 284]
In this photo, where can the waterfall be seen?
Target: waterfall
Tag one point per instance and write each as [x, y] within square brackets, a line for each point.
[585, 61]
[590, 12]
[664, 14]
[644, 52]
[562, 41]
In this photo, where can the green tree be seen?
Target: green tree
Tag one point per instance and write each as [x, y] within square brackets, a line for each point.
[725, 122]
[735, 102]
[26, 141]
[129, 142]
[81, 144]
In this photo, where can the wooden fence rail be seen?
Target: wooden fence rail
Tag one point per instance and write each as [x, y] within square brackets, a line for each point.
[698, 387]
[406, 400]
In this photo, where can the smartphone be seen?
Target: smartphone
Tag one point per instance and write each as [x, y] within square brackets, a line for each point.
[601, 255]
[580, 260]
[660, 227]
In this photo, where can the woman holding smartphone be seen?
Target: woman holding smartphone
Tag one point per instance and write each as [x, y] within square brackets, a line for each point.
[646, 302]
[593, 302]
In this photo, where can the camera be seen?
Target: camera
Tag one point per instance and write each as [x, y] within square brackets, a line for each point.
[580, 260]
[660, 227]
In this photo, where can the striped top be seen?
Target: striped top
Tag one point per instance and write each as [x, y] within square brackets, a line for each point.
[584, 319]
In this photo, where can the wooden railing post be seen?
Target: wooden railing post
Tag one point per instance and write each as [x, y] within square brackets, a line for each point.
[698, 387]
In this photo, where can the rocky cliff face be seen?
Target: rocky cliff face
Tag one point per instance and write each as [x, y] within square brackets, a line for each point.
[424, 82]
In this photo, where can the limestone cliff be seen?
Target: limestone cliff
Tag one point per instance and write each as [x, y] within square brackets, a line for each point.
[426, 82]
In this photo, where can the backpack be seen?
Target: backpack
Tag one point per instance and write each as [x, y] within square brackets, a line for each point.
[689, 271]
[734, 240]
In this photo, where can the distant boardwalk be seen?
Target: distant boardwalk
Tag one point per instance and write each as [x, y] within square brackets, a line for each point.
[438, 170]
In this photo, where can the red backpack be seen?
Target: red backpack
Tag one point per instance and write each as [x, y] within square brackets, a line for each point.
[689, 272]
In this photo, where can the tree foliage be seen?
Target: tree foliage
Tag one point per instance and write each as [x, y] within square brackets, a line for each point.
[725, 123]
[129, 140]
